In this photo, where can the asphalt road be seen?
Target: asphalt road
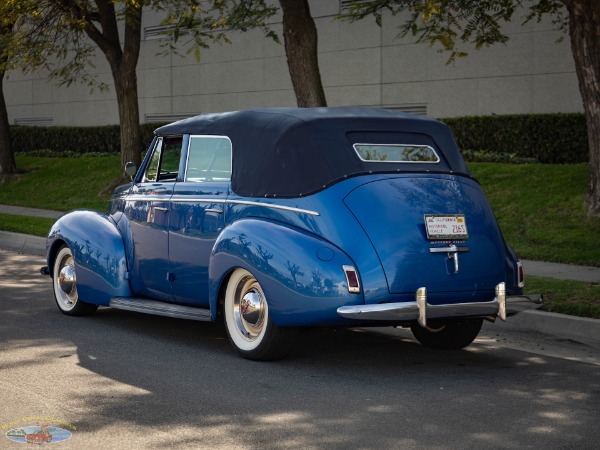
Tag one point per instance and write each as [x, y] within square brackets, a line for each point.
[125, 380]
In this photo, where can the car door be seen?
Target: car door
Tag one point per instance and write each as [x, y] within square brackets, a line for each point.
[198, 216]
[147, 210]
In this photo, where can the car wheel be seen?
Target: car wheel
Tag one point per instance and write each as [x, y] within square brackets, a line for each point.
[449, 335]
[64, 280]
[248, 322]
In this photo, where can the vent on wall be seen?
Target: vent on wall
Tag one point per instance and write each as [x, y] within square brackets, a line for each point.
[35, 121]
[345, 4]
[158, 32]
[412, 108]
[165, 117]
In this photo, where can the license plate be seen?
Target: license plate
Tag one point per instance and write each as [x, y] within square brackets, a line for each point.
[446, 226]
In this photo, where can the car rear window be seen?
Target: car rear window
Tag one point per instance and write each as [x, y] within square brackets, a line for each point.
[396, 153]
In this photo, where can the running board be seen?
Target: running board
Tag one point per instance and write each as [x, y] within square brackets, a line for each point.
[160, 308]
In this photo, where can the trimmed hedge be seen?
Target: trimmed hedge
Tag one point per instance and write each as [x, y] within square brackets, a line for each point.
[547, 138]
[103, 139]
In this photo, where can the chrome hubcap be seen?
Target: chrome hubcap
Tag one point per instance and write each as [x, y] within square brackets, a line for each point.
[249, 308]
[66, 279]
[67, 282]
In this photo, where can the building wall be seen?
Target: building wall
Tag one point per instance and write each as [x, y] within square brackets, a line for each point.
[361, 64]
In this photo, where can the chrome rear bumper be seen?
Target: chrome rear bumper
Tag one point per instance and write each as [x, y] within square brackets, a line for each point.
[421, 311]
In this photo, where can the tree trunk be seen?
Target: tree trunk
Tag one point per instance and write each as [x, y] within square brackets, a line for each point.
[7, 157]
[300, 37]
[584, 30]
[123, 63]
[129, 116]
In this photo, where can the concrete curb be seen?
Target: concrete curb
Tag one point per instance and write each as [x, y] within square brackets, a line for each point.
[580, 329]
[23, 243]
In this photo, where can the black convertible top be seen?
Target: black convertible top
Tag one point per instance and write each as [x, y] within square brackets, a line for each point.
[292, 152]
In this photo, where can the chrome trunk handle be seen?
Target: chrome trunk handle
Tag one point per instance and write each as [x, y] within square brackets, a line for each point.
[452, 251]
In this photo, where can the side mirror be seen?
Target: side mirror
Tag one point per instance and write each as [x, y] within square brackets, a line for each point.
[130, 169]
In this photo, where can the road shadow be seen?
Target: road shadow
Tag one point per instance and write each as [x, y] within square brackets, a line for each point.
[181, 382]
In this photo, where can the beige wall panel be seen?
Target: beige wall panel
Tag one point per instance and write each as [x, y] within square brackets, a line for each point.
[365, 95]
[404, 63]
[85, 113]
[556, 92]
[18, 93]
[361, 64]
[18, 112]
[351, 67]
[506, 95]
[338, 35]
[156, 82]
[276, 74]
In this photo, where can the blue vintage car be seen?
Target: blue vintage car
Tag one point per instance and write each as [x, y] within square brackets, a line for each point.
[276, 219]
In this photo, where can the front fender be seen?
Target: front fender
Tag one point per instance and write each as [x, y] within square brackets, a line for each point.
[99, 254]
[300, 273]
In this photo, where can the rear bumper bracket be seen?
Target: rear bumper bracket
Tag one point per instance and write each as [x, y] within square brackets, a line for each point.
[421, 311]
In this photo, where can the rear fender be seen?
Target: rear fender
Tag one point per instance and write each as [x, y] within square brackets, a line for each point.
[99, 254]
[300, 274]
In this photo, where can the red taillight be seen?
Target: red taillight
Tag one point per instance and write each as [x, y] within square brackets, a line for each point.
[521, 275]
[352, 279]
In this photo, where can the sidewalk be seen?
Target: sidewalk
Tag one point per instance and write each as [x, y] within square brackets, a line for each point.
[559, 325]
[561, 271]
[31, 212]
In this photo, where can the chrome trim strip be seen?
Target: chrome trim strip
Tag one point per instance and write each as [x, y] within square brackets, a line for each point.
[147, 306]
[410, 312]
[186, 199]
[450, 249]
[175, 199]
[148, 198]
[274, 206]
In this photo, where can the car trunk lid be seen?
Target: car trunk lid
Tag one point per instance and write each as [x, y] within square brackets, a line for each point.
[460, 251]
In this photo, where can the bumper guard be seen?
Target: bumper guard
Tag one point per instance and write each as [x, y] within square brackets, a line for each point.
[501, 306]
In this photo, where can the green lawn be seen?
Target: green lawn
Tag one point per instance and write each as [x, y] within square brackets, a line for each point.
[540, 210]
[575, 298]
[61, 184]
[37, 226]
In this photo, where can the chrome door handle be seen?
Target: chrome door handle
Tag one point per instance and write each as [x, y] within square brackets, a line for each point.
[160, 208]
[214, 210]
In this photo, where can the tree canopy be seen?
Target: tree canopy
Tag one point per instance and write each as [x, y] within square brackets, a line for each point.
[63, 36]
[479, 23]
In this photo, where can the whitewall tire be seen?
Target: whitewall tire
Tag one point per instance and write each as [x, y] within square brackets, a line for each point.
[64, 282]
[248, 322]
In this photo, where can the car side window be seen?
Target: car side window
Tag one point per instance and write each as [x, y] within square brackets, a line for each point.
[209, 159]
[164, 163]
